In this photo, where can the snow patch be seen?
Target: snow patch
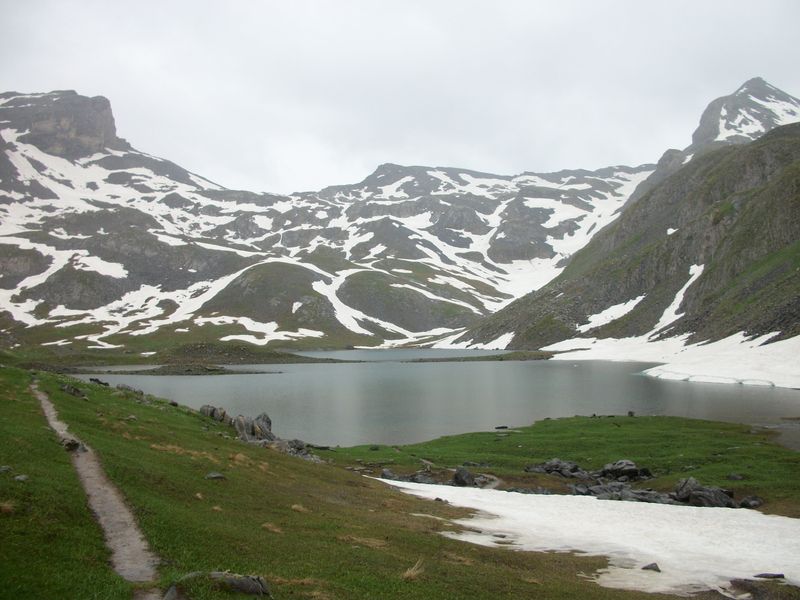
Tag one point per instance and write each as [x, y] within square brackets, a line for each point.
[685, 541]
[671, 313]
[612, 313]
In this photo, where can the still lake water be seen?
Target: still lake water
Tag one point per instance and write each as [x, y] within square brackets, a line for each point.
[392, 402]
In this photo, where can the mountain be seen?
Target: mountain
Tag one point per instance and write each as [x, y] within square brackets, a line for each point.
[752, 110]
[708, 252]
[105, 246]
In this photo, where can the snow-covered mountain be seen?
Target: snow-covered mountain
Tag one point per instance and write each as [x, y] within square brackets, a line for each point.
[702, 273]
[103, 245]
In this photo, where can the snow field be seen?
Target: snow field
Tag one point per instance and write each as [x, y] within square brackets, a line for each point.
[695, 548]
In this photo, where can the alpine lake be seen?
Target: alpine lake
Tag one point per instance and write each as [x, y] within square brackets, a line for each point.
[390, 398]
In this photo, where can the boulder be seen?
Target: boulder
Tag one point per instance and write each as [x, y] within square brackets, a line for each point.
[751, 502]
[556, 466]
[684, 489]
[73, 391]
[72, 445]
[262, 427]
[244, 427]
[463, 478]
[624, 470]
[243, 584]
[219, 414]
[712, 497]
[388, 474]
[421, 477]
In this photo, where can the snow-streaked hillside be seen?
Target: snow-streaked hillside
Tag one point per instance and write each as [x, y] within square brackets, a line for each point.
[99, 241]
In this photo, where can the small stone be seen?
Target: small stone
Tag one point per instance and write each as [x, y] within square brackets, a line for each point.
[199, 496]
[173, 403]
[751, 502]
[72, 445]
[652, 567]
[216, 508]
[215, 475]
[21, 478]
[769, 576]
[735, 477]
[5, 469]
[172, 593]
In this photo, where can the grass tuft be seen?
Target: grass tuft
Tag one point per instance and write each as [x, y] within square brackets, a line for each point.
[413, 572]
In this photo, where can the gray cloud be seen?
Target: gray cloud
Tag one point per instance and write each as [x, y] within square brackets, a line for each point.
[287, 96]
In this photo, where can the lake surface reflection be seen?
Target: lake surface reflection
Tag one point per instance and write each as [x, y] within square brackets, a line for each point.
[391, 402]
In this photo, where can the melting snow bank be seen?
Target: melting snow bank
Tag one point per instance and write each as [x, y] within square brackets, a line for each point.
[695, 548]
[735, 359]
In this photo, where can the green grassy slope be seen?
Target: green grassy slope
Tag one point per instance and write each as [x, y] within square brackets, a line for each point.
[313, 531]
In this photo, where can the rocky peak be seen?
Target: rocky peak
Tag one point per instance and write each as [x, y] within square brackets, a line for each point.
[62, 123]
[755, 108]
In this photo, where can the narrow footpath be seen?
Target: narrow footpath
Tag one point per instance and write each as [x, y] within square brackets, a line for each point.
[131, 556]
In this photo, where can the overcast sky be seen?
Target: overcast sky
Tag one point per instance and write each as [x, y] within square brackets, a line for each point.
[295, 95]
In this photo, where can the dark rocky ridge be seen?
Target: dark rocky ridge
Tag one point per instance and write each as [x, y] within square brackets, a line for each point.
[64, 124]
[735, 210]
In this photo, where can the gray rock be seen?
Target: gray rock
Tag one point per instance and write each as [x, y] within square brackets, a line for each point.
[770, 576]
[262, 427]
[72, 445]
[684, 489]
[735, 477]
[21, 478]
[652, 567]
[244, 427]
[207, 410]
[5, 469]
[421, 477]
[623, 470]
[388, 474]
[463, 477]
[215, 475]
[751, 502]
[243, 584]
[711, 497]
[556, 466]
[73, 391]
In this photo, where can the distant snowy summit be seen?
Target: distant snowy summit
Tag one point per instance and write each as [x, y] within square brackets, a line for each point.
[751, 111]
[102, 245]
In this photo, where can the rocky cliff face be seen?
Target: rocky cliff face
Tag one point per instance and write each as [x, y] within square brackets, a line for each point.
[727, 224]
[63, 123]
